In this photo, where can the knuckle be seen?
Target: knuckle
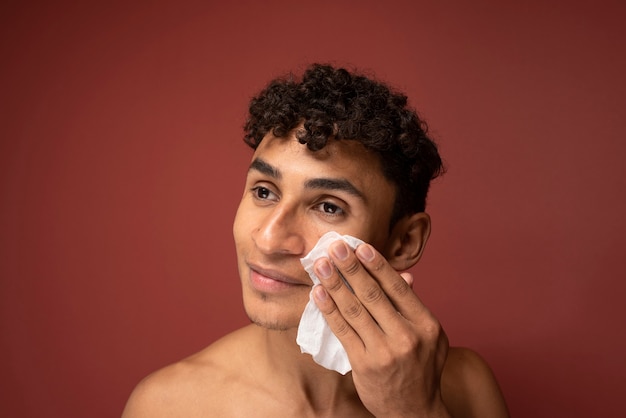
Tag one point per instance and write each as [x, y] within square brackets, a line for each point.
[353, 310]
[334, 285]
[351, 268]
[342, 328]
[372, 294]
[386, 359]
[407, 342]
[328, 309]
[334, 318]
[400, 287]
[431, 329]
[378, 265]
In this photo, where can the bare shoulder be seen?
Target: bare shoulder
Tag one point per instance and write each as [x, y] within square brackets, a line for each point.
[188, 387]
[469, 387]
[161, 393]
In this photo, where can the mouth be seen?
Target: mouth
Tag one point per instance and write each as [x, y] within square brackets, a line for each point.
[270, 280]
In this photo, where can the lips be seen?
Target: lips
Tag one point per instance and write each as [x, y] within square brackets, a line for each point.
[270, 280]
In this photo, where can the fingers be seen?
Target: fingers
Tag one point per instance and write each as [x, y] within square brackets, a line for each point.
[378, 293]
[344, 312]
[376, 283]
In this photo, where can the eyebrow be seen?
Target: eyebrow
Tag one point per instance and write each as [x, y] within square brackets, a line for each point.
[322, 183]
[334, 184]
[265, 168]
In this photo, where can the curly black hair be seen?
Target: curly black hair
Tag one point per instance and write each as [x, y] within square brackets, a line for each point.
[333, 103]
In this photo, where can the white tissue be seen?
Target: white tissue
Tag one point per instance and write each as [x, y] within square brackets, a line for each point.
[314, 334]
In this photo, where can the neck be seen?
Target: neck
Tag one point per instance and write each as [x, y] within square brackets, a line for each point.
[310, 383]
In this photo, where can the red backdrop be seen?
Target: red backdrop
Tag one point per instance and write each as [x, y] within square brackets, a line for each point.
[121, 165]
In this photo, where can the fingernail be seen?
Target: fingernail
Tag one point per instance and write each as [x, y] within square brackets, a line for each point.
[340, 251]
[320, 293]
[323, 269]
[365, 252]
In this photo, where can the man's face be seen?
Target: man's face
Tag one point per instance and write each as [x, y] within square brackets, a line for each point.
[291, 198]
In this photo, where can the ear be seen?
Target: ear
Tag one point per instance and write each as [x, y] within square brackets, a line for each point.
[407, 241]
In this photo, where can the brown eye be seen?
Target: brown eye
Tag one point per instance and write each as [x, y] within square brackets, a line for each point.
[330, 209]
[262, 192]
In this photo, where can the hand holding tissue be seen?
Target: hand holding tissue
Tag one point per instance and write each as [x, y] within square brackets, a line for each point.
[314, 335]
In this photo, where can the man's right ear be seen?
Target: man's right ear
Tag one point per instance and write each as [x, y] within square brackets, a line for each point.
[407, 241]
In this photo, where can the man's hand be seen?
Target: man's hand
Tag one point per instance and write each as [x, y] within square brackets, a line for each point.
[396, 347]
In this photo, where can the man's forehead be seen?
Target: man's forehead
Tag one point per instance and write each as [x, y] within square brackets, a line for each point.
[349, 149]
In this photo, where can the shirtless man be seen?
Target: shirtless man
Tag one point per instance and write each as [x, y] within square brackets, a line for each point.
[333, 151]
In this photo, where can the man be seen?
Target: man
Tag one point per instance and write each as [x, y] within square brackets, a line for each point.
[334, 151]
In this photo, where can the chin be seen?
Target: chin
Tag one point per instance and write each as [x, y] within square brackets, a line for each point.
[280, 312]
[271, 315]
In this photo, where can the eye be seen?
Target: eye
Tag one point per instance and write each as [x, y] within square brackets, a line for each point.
[263, 193]
[330, 209]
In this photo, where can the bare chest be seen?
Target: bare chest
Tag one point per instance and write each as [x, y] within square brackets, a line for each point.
[251, 402]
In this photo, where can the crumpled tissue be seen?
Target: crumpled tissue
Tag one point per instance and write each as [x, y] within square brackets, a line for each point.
[314, 335]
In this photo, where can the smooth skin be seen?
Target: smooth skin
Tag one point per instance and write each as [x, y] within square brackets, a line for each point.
[402, 364]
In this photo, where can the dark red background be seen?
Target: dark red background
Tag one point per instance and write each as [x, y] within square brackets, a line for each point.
[121, 165]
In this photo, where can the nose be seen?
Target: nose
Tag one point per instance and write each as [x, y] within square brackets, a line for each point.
[280, 232]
